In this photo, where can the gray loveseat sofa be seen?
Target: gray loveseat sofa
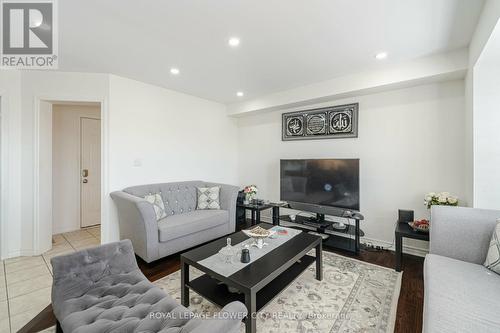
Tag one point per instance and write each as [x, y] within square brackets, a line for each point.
[184, 226]
[102, 290]
[461, 295]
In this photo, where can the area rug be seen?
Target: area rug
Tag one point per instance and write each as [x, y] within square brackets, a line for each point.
[354, 296]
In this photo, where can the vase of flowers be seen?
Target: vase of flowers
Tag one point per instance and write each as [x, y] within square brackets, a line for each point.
[442, 198]
[250, 193]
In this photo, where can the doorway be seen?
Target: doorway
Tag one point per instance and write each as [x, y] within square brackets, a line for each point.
[76, 166]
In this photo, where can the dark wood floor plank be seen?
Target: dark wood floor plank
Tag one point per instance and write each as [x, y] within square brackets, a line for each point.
[410, 304]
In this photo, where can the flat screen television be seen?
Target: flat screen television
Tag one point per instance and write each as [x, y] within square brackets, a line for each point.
[323, 186]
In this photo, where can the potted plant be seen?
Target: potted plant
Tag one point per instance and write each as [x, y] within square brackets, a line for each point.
[443, 199]
[250, 193]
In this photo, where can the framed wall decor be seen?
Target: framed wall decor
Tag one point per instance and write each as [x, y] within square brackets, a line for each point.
[333, 122]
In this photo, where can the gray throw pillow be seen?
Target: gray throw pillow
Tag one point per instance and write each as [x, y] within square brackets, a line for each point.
[208, 197]
[156, 200]
[492, 261]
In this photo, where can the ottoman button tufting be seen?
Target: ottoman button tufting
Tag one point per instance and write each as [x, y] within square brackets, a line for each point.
[112, 297]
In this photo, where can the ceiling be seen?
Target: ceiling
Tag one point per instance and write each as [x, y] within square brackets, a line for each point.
[284, 43]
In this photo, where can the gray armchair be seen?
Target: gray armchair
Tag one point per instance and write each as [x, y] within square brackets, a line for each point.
[460, 294]
[184, 226]
[462, 233]
[103, 290]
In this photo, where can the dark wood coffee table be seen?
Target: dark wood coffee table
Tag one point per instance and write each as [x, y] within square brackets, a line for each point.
[258, 282]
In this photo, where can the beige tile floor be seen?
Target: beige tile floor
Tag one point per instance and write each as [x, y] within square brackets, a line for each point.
[25, 282]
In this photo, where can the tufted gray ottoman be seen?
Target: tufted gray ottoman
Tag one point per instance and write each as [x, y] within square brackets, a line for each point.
[102, 290]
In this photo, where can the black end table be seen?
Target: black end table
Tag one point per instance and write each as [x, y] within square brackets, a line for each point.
[255, 210]
[404, 230]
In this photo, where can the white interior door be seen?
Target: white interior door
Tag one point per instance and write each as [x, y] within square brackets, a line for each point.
[90, 197]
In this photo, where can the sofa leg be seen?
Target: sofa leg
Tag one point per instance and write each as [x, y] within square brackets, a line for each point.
[58, 327]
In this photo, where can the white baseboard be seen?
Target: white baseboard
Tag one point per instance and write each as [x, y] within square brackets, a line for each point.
[20, 253]
[408, 249]
[64, 230]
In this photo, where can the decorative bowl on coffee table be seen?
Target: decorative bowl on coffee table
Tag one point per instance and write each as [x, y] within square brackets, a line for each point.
[259, 234]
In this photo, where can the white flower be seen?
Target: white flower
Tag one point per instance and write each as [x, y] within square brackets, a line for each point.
[444, 194]
[442, 199]
[431, 194]
[452, 200]
[428, 198]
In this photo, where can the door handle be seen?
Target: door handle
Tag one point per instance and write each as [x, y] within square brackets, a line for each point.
[85, 181]
[85, 173]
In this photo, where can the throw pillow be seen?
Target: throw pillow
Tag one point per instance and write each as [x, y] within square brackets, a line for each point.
[157, 202]
[493, 258]
[208, 197]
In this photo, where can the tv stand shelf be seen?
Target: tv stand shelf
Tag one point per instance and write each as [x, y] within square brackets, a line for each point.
[346, 240]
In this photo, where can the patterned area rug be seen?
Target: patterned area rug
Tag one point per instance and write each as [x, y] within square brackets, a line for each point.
[354, 296]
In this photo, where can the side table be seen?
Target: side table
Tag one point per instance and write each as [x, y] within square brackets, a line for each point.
[255, 210]
[404, 230]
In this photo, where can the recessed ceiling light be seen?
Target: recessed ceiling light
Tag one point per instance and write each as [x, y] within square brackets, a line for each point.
[240, 94]
[234, 41]
[174, 71]
[381, 55]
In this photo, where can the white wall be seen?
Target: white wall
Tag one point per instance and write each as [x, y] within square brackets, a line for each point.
[410, 142]
[10, 180]
[173, 136]
[486, 124]
[486, 137]
[42, 231]
[66, 164]
[487, 22]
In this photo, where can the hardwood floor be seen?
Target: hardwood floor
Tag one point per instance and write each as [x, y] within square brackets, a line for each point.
[410, 305]
[411, 297]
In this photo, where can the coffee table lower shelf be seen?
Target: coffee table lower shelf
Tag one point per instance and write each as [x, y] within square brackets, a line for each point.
[218, 294]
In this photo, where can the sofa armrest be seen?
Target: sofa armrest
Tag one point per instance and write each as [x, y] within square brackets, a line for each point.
[228, 320]
[228, 195]
[138, 223]
[462, 233]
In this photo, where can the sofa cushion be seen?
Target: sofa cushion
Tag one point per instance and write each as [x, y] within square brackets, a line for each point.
[157, 201]
[208, 197]
[460, 296]
[180, 225]
[492, 261]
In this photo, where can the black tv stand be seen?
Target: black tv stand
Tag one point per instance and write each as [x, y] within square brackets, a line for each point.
[347, 239]
[318, 218]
